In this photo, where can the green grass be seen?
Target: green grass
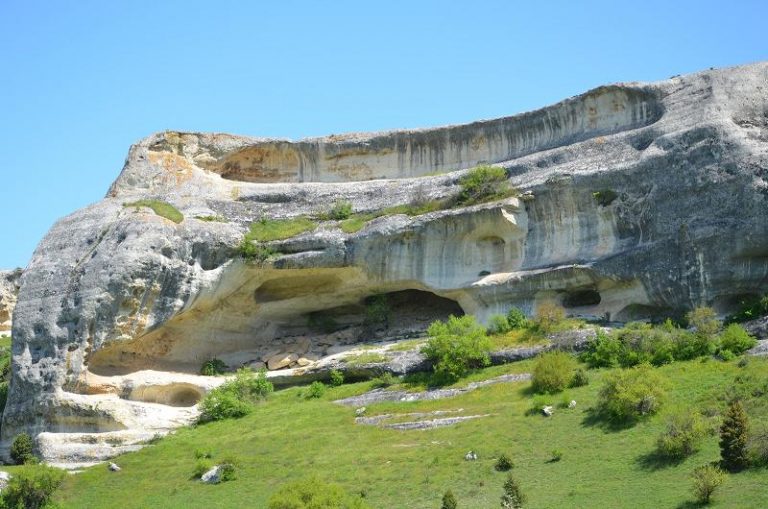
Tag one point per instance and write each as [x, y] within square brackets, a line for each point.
[365, 358]
[407, 346]
[212, 219]
[356, 222]
[266, 230]
[288, 438]
[161, 208]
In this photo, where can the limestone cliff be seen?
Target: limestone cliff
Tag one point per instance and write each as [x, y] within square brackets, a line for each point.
[9, 289]
[639, 199]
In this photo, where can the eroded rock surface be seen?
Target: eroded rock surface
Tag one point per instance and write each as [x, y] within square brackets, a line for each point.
[639, 200]
[9, 289]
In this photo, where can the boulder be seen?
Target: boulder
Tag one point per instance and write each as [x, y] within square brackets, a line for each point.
[470, 456]
[548, 410]
[281, 360]
[5, 478]
[572, 404]
[212, 476]
[113, 467]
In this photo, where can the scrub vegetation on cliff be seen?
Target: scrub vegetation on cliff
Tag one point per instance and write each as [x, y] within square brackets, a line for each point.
[161, 208]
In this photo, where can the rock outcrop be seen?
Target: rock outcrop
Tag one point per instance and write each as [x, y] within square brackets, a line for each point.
[639, 200]
[9, 289]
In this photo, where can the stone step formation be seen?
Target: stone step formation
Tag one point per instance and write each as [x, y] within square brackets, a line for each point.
[635, 200]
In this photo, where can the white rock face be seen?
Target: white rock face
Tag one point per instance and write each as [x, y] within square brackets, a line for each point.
[9, 288]
[639, 200]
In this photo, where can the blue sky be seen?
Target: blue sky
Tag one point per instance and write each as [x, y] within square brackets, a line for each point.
[80, 81]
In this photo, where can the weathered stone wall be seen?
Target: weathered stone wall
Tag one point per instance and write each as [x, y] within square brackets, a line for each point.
[9, 289]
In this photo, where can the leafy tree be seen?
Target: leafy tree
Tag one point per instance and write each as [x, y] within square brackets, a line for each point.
[548, 316]
[706, 480]
[704, 320]
[457, 345]
[734, 433]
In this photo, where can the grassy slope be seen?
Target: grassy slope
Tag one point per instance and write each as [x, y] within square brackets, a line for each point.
[289, 437]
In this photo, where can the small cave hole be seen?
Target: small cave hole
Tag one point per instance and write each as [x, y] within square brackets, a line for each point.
[582, 298]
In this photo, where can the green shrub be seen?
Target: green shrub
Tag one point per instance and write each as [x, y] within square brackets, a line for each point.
[706, 480]
[21, 449]
[689, 345]
[213, 367]
[749, 310]
[340, 210]
[605, 197]
[161, 208]
[484, 183]
[386, 379]
[337, 377]
[631, 394]
[704, 320]
[603, 351]
[757, 447]
[498, 324]
[377, 311]
[449, 501]
[457, 345]
[32, 487]
[682, 436]
[315, 390]
[513, 497]
[516, 319]
[3, 396]
[235, 398]
[555, 456]
[549, 316]
[734, 433]
[202, 466]
[552, 372]
[504, 463]
[253, 252]
[580, 378]
[312, 493]
[227, 470]
[736, 340]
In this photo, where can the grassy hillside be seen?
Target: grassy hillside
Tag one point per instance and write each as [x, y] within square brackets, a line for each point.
[289, 438]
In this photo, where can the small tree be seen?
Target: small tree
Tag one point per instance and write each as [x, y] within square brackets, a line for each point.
[21, 449]
[733, 438]
[516, 318]
[682, 436]
[706, 479]
[630, 394]
[457, 345]
[513, 497]
[704, 320]
[548, 316]
[552, 372]
[449, 501]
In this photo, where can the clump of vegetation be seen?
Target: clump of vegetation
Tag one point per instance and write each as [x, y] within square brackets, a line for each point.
[513, 497]
[161, 208]
[555, 456]
[498, 324]
[682, 436]
[212, 219]
[449, 501]
[734, 432]
[704, 321]
[357, 221]
[213, 367]
[254, 252]
[631, 394]
[580, 378]
[316, 390]
[735, 340]
[361, 359]
[237, 397]
[312, 493]
[377, 312]
[504, 463]
[516, 319]
[342, 209]
[21, 449]
[749, 310]
[706, 480]
[266, 230]
[552, 372]
[483, 184]
[336, 377]
[549, 316]
[386, 379]
[32, 487]
[605, 197]
[456, 346]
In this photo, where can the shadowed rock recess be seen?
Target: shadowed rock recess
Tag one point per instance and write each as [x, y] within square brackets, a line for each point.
[639, 200]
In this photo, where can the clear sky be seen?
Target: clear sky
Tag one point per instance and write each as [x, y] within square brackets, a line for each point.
[82, 80]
